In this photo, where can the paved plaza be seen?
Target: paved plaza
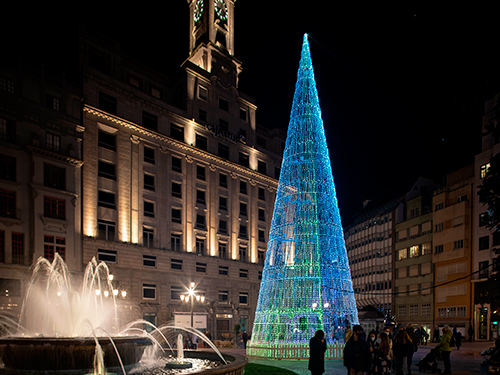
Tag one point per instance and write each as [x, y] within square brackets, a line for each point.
[463, 361]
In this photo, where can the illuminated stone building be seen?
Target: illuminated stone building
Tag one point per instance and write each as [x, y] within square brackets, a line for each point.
[413, 257]
[452, 241]
[165, 176]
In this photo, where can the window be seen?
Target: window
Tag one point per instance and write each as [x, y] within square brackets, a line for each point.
[402, 254]
[7, 168]
[243, 232]
[176, 190]
[53, 142]
[177, 132]
[107, 103]
[149, 291]
[438, 249]
[201, 142]
[439, 206]
[243, 299]
[262, 193]
[426, 309]
[149, 120]
[54, 208]
[176, 164]
[458, 244]
[202, 115]
[7, 85]
[201, 267]
[54, 177]
[149, 209]
[462, 198]
[148, 236]
[52, 245]
[149, 182]
[53, 102]
[106, 170]
[224, 104]
[200, 196]
[483, 219]
[149, 155]
[175, 242]
[8, 203]
[202, 92]
[414, 212]
[243, 273]
[243, 160]
[108, 256]
[176, 215]
[223, 250]
[243, 254]
[223, 296]
[200, 246]
[426, 248]
[223, 151]
[401, 311]
[149, 261]
[243, 209]
[261, 257]
[223, 203]
[106, 230]
[200, 222]
[262, 235]
[222, 226]
[262, 167]
[439, 227]
[277, 172]
[413, 311]
[223, 270]
[259, 275]
[262, 214]
[223, 180]
[7, 130]
[175, 292]
[223, 125]
[414, 251]
[484, 170]
[484, 269]
[484, 243]
[200, 172]
[107, 140]
[106, 199]
[176, 264]
[243, 187]
[17, 248]
[496, 239]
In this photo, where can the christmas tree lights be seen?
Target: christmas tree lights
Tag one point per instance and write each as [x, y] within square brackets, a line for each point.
[306, 283]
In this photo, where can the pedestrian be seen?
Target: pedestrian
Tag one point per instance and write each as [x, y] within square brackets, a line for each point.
[425, 336]
[317, 349]
[401, 346]
[383, 356]
[244, 336]
[458, 338]
[372, 342]
[357, 352]
[413, 348]
[470, 331]
[435, 337]
[445, 348]
[209, 336]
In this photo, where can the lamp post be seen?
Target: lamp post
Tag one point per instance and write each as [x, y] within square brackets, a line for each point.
[191, 296]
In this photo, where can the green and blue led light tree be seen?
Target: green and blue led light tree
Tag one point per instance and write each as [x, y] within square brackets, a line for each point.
[306, 283]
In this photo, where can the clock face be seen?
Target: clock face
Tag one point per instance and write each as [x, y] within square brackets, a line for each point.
[198, 10]
[221, 9]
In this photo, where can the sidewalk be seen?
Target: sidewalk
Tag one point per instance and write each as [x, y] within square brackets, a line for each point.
[463, 362]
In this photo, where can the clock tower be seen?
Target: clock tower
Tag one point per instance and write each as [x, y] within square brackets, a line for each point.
[211, 34]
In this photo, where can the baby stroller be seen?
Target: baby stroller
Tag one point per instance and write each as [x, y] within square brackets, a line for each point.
[429, 362]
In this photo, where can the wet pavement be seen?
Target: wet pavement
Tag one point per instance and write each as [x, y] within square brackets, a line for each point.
[464, 361]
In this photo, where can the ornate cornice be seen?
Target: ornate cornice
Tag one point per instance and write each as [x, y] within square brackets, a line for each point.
[54, 155]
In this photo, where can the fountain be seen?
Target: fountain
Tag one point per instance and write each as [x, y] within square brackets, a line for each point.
[64, 330]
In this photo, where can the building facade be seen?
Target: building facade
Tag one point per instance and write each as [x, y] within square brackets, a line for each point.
[452, 241]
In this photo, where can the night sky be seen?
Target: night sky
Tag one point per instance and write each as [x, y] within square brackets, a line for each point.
[402, 89]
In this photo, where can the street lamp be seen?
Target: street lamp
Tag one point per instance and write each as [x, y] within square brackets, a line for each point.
[191, 296]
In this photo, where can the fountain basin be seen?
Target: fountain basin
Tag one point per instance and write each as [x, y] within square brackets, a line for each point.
[66, 354]
[235, 362]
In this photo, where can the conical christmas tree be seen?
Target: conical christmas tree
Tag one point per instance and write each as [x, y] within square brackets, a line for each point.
[306, 283]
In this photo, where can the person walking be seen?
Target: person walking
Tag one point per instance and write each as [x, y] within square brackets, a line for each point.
[411, 349]
[383, 356]
[373, 345]
[435, 337]
[357, 352]
[458, 338]
[244, 336]
[445, 348]
[317, 349]
[401, 346]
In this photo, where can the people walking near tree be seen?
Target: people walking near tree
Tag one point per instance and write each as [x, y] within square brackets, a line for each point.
[445, 348]
[372, 342]
[402, 346]
[357, 352]
[383, 356]
[317, 349]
